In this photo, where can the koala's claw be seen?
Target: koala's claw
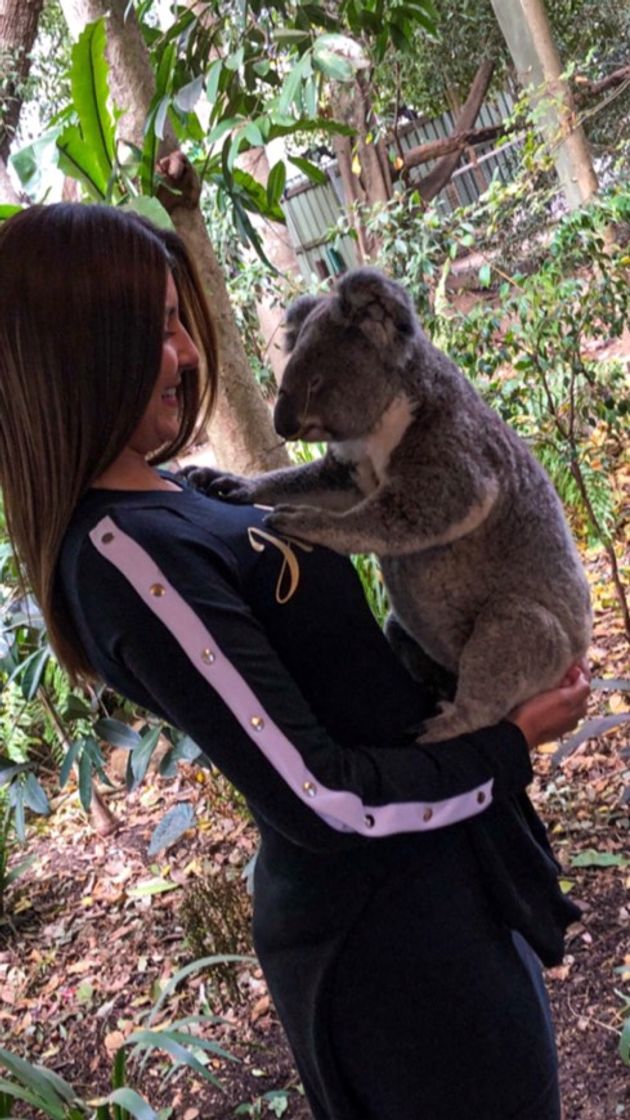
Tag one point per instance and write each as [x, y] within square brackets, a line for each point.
[218, 484]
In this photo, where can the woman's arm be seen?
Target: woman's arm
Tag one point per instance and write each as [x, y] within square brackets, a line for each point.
[179, 629]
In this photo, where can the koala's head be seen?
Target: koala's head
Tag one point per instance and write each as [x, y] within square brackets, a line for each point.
[347, 352]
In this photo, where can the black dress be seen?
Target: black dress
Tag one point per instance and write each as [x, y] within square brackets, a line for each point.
[391, 877]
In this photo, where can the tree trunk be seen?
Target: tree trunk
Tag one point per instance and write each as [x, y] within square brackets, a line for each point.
[242, 433]
[18, 28]
[363, 165]
[437, 179]
[280, 252]
[525, 25]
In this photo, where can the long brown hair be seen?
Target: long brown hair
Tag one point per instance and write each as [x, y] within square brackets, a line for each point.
[82, 292]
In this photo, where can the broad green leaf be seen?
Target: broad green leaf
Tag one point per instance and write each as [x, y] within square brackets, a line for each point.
[312, 172]
[90, 93]
[161, 114]
[593, 858]
[291, 84]
[38, 1080]
[16, 801]
[20, 1094]
[77, 708]
[213, 79]
[78, 161]
[173, 825]
[185, 750]
[85, 779]
[9, 769]
[253, 135]
[114, 731]
[338, 57]
[69, 760]
[7, 210]
[275, 182]
[34, 796]
[33, 161]
[485, 275]
[224, 126]
[141, 754]
[187, 970]
[161, 1040]
[152, 209]
[187, 97]
[133, 1103]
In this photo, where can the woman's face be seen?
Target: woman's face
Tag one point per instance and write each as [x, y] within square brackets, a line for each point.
[161, 420]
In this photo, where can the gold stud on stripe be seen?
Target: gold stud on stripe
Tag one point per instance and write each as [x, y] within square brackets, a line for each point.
[157, 589]
[428, 813]
[368, 820]
[257, 723]
[207, 656]
[310, 789]
[107, 538]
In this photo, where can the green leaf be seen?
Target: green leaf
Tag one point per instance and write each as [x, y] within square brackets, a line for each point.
[133, 1103]
[85, 779]
[69, 760]
[187, 97]
[185, 750]
[78, 161]
[153, 886]
[253, 135]
[338, 57]
[275, 182]
[34, 796]
[31, 670]
[593, 858]
[141, 754]
[16, 801]
[90, 93]
[312, 172]
[212, 81]
[173, 825]
[624, 1043]
[20, 868]
[152, 209]
[162, 1040]
[51, 1088]
[9, 769]
[485, 275]
[7, 210]
[117, 733]
[76, 708]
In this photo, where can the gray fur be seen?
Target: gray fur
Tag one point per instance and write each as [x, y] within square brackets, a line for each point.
[477, 558]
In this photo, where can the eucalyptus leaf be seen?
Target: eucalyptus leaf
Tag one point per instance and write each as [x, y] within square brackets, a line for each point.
[141, 754]
[187, 97]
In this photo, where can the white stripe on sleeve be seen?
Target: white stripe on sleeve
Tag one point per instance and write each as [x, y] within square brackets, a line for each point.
[339, 808]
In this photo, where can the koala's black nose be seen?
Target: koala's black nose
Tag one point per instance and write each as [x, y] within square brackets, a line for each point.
[285, 418]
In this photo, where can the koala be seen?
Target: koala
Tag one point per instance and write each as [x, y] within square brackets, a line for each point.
[484, 579]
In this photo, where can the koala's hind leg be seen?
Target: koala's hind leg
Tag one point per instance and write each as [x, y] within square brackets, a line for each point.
[517, 648]
[437, 681]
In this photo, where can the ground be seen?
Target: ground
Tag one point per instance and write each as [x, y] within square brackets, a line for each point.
[94, 931]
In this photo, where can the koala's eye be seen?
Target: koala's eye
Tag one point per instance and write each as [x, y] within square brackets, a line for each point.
[315, 383]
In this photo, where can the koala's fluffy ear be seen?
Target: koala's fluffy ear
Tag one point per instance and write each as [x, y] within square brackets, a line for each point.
[379, 307]
[294, 318]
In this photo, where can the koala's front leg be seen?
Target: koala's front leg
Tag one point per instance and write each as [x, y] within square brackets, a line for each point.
[393, 521]
[355, 530]
[325, 482]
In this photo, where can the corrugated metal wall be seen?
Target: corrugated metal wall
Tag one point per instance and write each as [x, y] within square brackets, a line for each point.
[313, 211]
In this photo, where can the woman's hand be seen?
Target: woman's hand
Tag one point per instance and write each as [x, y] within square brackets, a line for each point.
[550, 714]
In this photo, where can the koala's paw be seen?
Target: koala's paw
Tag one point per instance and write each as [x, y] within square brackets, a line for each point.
[293, 521]
[218, 484]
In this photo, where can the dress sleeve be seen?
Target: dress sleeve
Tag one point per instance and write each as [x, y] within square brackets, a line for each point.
[176, 627]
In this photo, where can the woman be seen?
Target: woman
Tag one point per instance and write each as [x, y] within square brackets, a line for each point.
[397, 885]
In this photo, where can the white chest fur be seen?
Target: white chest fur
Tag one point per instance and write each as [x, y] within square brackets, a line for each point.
[371, 453]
